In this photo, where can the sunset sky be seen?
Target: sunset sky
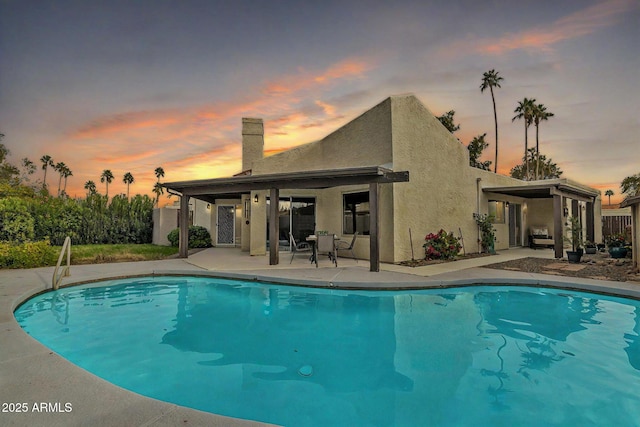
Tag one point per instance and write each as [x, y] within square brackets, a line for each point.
[132, 85]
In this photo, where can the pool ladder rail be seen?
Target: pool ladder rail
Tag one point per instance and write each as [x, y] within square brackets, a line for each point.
[64, 271]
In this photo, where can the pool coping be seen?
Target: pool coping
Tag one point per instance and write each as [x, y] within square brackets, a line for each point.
[31, 373]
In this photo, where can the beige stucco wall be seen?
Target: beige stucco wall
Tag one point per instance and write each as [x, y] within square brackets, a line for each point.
[443, 191]
[164, 220]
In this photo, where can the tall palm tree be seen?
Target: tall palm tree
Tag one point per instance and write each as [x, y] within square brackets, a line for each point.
[491, 79]
[59, 167]
[540, 114]
[609, 193]
[46, 162]
[66, 173]
[90, 186]
[524, 111]
[107, 176]
[159, 173]
[128, 179]
[159, 190]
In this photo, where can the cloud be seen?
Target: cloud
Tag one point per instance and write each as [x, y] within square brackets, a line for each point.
[543, 38]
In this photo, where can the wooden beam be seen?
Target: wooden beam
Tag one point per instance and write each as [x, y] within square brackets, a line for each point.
[557, 225]
[590, 223]
[274, 227]
[183, 225]
[374, 227]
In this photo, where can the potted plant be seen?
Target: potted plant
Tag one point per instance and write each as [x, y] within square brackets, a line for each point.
[487, 232]
[575, 230]
[589, 247]
[616, 244]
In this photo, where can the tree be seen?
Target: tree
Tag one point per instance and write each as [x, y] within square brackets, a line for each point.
[159, 190]
[159, 173]
[609, 193]
[106, 177]
[540, 113]
[46, 162]
[631, 185]
[60, 168]
[447, 121]
[524, 110]
[66, 173]
[490, 79]
[548, 169]
[8, 172]
[90, 186]
[28, 169]
[128, 179]
[475, 147]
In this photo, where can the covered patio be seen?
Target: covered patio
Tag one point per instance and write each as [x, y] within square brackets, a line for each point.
[210, 190]
[559, 190]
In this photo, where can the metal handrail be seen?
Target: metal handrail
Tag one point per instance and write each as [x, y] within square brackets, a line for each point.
[55, 281]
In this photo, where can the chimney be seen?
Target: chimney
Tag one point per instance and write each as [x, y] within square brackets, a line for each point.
[252, 142]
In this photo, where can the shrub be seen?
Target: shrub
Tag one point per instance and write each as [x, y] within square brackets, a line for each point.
[27, 255]
[441, 245]
[16, 223]
[199, 237]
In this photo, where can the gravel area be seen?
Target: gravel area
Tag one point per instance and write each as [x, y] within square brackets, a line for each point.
[599, 266]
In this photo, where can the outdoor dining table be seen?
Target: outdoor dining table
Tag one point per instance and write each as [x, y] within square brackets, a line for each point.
[312, 238]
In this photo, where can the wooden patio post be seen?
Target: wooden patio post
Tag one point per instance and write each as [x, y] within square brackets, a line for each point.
[374, 227]
[183, 225]
[557, 225]
[274, 227]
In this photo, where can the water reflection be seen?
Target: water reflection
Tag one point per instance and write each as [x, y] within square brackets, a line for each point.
[349, 341]
[633, 349]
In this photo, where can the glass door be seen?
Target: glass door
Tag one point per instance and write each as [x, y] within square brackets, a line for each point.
[515, 224]
[298, 216]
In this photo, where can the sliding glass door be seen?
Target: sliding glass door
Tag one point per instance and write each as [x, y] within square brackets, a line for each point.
[297, 215]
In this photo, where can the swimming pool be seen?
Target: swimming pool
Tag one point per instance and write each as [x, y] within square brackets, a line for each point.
[301, 356]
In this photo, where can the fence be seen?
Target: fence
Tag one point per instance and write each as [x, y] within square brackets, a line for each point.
[615, 225]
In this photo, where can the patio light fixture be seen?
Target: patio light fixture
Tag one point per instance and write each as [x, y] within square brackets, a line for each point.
[255, 199]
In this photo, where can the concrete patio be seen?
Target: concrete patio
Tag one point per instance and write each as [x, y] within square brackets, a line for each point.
[31, 373]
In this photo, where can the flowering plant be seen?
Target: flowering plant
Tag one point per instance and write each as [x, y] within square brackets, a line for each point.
[616, 240]
[487, 232]
[441, 245]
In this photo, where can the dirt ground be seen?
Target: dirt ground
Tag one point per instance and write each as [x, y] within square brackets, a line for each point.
[598, 266]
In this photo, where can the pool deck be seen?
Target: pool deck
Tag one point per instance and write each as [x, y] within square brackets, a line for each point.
[31, 373]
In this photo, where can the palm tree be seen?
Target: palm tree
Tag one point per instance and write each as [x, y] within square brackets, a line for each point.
[159, 173]
[609, 193]
[128, 179]
[540, 113]
[90, 186]
[107, 176]
[66, 173]
[159, 190]
[46, 162]
[524, 111]
[59, 167]
[490, 79]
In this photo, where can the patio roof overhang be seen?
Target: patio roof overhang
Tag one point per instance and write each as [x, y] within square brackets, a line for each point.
[555, 189]
[223, 188]
[546, 190]
[210, 190]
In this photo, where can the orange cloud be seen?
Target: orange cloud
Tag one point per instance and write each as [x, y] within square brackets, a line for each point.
[543, 38]
[349, 68]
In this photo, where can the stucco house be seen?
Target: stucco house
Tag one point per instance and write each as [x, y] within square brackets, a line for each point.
[393, 169]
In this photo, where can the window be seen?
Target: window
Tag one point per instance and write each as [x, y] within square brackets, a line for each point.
[496, 208]
[355, 213]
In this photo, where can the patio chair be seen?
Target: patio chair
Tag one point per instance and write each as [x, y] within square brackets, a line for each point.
[327, 245]
[302, 247]
[341, 245]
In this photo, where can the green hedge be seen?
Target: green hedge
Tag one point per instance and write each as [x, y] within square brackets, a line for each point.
[27, 255]
[199, 237]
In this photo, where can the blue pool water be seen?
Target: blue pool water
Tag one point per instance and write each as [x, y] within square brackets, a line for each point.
[481, 356]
